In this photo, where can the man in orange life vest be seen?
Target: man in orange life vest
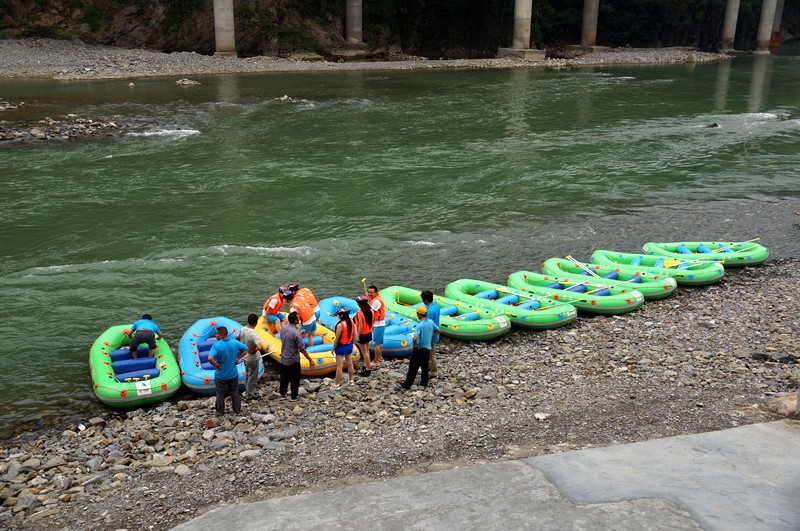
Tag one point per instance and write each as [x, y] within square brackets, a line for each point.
[272, 308]
[308, 321]
[378, 323]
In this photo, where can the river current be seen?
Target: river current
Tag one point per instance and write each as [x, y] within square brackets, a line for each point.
[411, 178]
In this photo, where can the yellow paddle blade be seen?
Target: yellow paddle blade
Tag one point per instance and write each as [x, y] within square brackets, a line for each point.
[672, 263]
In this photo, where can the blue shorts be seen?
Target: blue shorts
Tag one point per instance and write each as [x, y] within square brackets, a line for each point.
[344, 349]
[309, 328]
[365, 338]
[275, 318]
[377, 335]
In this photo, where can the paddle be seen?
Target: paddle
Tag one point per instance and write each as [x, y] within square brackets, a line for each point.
[588, 270]
[364, 282]
[731, 246]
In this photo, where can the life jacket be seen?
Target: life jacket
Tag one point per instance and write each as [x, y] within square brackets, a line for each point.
[274, 311]
[303, 309]
[379, 315]
[347, 333]
[361, 321]
[308, 296]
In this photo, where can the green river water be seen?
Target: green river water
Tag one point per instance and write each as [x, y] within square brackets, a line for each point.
[412, 178]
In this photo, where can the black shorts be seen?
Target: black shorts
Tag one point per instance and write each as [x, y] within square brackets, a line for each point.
[143, 336]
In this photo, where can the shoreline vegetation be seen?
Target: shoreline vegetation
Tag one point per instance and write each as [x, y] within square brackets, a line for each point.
[702, 359]
[74, 60]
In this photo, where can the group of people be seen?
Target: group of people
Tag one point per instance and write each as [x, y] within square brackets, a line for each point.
[367, 326]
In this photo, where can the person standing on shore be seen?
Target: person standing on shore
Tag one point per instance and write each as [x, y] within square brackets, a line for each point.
[223, 357]
[343, 345]
[378, 322]
[144, 331]
[434, 313]
[252, 359]
[291, 347]
[363, 324]
[423, 333]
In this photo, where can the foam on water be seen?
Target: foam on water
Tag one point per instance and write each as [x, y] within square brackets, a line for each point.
[169, 133]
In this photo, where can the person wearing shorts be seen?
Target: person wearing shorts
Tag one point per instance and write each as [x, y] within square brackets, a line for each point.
[363, 324]
[378, 322]
[343, 345]
[144, 331]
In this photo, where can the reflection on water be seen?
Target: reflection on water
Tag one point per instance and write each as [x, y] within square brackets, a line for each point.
[404, 178]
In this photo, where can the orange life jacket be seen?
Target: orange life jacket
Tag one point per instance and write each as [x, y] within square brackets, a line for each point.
[308, 296]
[347, 333]
[361, 322]
[303, 309]
[379, 315]
[274, 311]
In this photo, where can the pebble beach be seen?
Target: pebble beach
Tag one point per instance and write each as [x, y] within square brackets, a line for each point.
[702, 359]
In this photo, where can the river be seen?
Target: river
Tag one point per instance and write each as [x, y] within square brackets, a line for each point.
[412, 178]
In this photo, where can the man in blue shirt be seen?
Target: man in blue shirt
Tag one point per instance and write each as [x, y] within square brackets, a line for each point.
[144, 331]
[433, 315]
[223, 357]
[423, 334]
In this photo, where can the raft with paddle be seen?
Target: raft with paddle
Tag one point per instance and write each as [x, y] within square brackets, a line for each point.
[398, 337]
[520, 307]
[685, 272]
[731, 254]
[457, 319]
[196, 343]
[605, 299]
[324, 361]
[652, 285]
[120, 380]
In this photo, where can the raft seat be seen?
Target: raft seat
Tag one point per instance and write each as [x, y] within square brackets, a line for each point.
[611, 275]
[488, 294]
[124, 353]
[323, 347]
[530, 305]
[635, 279]
[682, 249]
[508, 299]
[704, 249]
[144, 374]
[555, 285]
[203, 346]
[472, 316]
[601, 293]
[133, 364]
[448, 310]
[206, 366]
[578, 288]
[659, 263]
[636, 261]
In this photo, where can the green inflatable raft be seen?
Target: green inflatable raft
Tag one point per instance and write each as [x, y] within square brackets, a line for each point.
[120, 380]
[522, 308]
[605, 300]
[457, 319]
[685, 273]
[651, 285]
[732, 254]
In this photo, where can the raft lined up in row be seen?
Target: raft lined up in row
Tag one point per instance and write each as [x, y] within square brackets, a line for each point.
[196, 343]
[732, 254]
[398, 336]
[651, 285]
[582, 295]
[457, 319]
[120, 380]
[321, 351]
[522, 308]
[685, 272]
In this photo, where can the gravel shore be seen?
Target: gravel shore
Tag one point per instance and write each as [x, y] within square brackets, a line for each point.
[49, 58]
[702, 359]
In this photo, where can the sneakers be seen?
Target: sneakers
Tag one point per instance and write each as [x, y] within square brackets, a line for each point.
[399, 387]
[283, 397]
[336, 387]
[351, 383]
[294, 399]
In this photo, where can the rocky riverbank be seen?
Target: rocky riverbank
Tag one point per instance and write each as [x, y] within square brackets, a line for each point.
[75, 60]
[703, 359]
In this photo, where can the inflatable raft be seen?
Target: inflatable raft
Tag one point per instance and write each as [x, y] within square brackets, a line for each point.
[732, 254]
[583, 295]
[196, 343]
[397, 338]
[684, 272]
[522, 308]
[653, 286]
[120, 380]
[457, 319]
[320, 351]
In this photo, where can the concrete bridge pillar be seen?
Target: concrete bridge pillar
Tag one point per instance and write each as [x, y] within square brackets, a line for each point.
[775, 38]
[223, 28]
[591, 9]
[765, 26]
[729, 26]
[521, 42]
[353, 29]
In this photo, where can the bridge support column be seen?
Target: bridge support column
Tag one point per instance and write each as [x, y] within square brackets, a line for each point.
[775, 38]
[521, 42]
[729, 26]
[765, 26]
[224, 29]
[591, 10]
[353, 28]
